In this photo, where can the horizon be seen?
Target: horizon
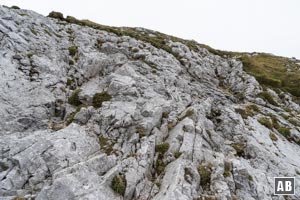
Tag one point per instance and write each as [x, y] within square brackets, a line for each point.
[253, 27]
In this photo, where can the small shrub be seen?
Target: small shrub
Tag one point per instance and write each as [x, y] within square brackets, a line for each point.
[73, 50]
[56, 15]
[33, 31]
[135, 50]
[71, 19]
[118, 184]
[15, 7]
[29, 55]
[250, 178]
[71, 62]
[162, 148]
[177, 154]
[205, 171]
[99, 98]
[266, 122]
[102, 141]
[268, 97]
[160, 166]
[74, 98]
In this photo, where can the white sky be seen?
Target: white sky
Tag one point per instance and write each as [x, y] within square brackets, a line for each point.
[238, 25]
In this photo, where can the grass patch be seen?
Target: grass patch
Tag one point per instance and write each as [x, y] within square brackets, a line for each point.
[74, 98]
[99, 98]
[205, 171]
[73, 50]
[118, 184]
[273, 137]
[177, 154]
[268, 97]
[266, 122]
[15, 7]
[162, 148]
[286, 132]
[56, 15]
[272, 71]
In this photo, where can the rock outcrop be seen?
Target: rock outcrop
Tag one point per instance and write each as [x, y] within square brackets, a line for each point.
[91, 114]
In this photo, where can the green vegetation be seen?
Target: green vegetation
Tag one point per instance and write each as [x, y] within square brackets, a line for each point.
[273, 137]
[33, 31]
[71, 62]
[269, 70]
[118, 184]
[177, 154]
[15, 7]
[99, 98]
[160, 166]
[102, 141]
[162, 148]
[266, 122]
[272, 71]
[250, 178]
[239, 148]
[268, 97]
[56, 15]
[73, 50]
[286, 132]
[205, 171]
[72, 115]
[74, 98]
[273, 123]
[248, 111]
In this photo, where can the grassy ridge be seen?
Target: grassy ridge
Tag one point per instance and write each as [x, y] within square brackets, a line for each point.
[269, 70]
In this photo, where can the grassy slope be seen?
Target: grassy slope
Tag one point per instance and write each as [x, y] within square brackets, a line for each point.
[269, 70]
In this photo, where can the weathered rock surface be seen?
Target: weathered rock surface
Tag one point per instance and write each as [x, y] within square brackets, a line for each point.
[178, 124]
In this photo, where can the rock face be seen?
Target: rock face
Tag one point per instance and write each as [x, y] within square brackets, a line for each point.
[90, 114]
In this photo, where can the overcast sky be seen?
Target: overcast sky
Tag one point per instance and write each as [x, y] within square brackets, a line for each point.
[236, 25]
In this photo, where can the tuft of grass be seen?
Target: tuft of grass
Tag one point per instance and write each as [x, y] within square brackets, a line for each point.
[162, 148]
[99, 98]
[73, 50]
[102, 141]
[250, 178]
[15, 7]
[294, 121]
[268, 97]
[205, 171]
[56, 15]
[266, 122]
[286, 132]
[71, 62]
[118, 184]
[177, 154]
[160, 166]
[74, 98]
[273, 137]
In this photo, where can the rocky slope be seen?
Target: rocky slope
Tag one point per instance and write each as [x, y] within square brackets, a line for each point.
[92, 114]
